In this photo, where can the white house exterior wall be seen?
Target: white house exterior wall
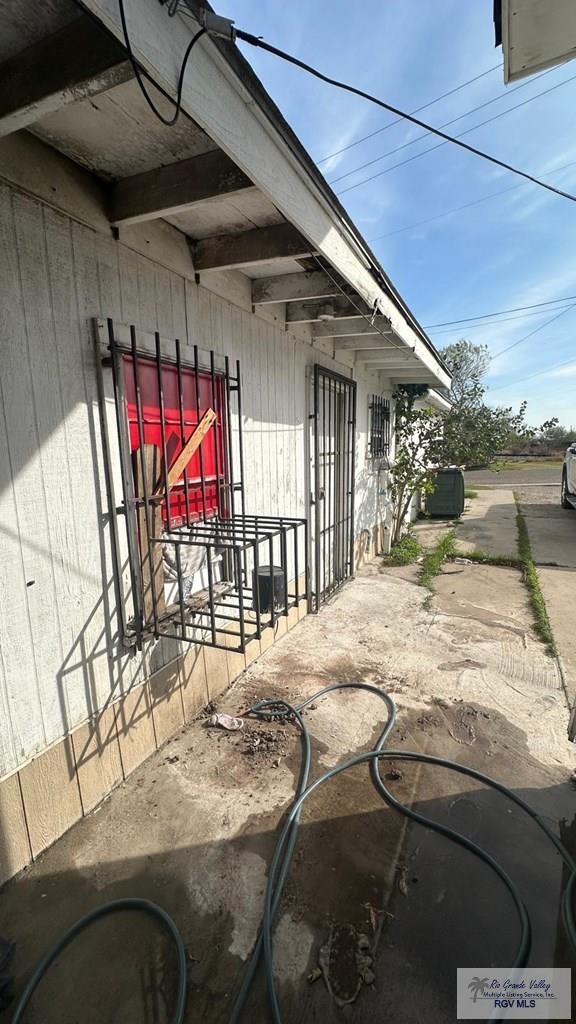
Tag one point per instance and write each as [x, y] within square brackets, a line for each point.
[60, 664]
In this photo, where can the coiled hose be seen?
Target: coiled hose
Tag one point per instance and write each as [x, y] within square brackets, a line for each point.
[280, 865]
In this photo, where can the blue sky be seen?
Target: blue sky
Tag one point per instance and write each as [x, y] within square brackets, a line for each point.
[513, 250]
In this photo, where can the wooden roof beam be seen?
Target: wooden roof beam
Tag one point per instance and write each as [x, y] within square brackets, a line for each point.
[176, 187]
[415, 377]
[352, 327]
[371, 343]
[339, 307]
[312, 284]
[386, 357]
[80, 60]
[261, 245]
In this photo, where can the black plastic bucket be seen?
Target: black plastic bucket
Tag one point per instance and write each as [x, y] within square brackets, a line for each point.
[268, 583]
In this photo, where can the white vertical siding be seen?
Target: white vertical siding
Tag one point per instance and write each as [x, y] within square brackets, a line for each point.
[59, 659]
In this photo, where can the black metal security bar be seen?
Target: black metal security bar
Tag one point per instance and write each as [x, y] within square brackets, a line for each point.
[334, 442]
[379, 434]
[188, 564]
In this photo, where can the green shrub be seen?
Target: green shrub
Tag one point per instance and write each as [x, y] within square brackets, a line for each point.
[405, 551]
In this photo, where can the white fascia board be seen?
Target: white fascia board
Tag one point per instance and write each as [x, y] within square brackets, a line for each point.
[437, 401]
[221, 104]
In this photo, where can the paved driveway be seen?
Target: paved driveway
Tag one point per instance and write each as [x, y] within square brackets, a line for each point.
[531, 477]
[552, 529]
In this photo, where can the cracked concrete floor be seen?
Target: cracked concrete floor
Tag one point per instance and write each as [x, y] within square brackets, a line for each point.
[194, 827]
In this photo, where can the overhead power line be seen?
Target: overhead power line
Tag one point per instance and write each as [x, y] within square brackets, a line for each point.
[532, 333]
[501, 312]
[467, 206]
[453, 120]
[531, 376]
[263, 45]
[491, 323]
[456, 138]
[398, 120]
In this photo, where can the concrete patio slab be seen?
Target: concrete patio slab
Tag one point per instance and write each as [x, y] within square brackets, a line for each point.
[489, 523]
[194, 828]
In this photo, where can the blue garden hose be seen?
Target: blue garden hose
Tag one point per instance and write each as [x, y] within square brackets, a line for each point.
[284, 846]
[280, 865]
[116, 906]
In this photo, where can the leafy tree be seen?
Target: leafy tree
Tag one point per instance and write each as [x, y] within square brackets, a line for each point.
[418, 433]
[474, 435]
[474, 432]
[557, 434]
[468, 364]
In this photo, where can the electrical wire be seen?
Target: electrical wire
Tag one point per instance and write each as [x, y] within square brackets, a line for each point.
[531, 376]
[491, 323]
[467, 206]
[501, 312]
[140, 72]
[454, 138]
[281, 860]
[532, 333]
[398, 120]
[467, 113]
[253, 40]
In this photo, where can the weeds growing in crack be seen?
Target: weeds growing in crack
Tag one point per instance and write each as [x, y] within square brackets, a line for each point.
[433, 560]
[542, 626]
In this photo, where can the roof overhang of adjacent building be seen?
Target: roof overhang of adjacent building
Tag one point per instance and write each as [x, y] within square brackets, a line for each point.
[534, 34]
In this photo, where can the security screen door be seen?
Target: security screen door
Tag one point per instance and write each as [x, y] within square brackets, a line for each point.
[333, 445]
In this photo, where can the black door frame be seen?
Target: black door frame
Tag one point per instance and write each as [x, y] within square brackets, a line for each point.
[334, 464]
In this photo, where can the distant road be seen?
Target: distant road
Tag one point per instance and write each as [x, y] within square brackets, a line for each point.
[515, 477]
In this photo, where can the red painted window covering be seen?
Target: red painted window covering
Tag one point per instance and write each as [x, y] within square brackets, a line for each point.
[210, 457]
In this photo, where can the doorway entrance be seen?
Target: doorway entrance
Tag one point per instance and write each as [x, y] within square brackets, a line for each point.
[333, 447]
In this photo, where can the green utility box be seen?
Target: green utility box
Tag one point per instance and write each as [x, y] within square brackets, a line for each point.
[447, 498]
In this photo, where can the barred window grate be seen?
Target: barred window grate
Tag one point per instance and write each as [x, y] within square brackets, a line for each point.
[379, 434]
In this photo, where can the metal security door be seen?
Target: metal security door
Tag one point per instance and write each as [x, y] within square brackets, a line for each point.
[334, 434]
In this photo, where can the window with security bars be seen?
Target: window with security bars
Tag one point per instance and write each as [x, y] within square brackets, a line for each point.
[379, 427]
[190, 563]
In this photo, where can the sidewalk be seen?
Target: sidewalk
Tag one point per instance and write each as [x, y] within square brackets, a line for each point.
[489, 524]
[552, 532]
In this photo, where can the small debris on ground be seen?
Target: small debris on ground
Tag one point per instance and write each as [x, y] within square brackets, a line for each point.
[427, 721]
[265, 745]
[209, 709]
[463, 730]
[227, 722]
[394, 774]
[346, 962]
[403, 879]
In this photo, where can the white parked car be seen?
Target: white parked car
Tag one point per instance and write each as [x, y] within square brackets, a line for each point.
[568, 492]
